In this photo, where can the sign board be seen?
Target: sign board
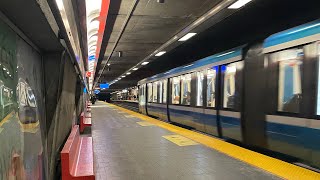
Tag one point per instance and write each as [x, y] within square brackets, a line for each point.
[104, 86]
[88, 74]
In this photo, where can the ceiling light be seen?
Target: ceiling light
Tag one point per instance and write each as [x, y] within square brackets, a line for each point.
[239, 4]
[135, 69]
[60, 4]
[160, 53]
[187, 36]
[108, 64]
[94, 24]
[123, 76]
[128, 73]
[145, 63]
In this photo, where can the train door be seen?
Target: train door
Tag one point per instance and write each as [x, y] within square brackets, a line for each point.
[206, 97]
[142, 99]
[230, 105]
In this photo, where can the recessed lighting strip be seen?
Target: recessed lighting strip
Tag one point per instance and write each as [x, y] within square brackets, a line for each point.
[218, 8]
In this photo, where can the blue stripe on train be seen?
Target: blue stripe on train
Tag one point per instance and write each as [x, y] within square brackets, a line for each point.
[231, 127]
[293, 34]
[295, 135]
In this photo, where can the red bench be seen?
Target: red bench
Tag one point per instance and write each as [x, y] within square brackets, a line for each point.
[84, 121]
[87, 114]
[77, 157]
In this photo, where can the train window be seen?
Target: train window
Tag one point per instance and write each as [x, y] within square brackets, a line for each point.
[160, 91]
[200, 77]
[176, 90]
[165, 83]
[155, 92]
[231, 94]
[149, 92]
[186, 89]
[289, 79]
[211, 84]
[31, 98]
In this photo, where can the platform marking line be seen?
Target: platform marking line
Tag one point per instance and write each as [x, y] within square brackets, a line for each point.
[143, 123]
[120, 112]
[29, 128]
[5, 119]
[272, 165]
[180, 140]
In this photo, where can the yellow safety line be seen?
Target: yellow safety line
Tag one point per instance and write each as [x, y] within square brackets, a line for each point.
[4, 120]
[30, 128]
[275, 166]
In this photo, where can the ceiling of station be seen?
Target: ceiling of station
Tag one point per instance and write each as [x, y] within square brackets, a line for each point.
[153, 24]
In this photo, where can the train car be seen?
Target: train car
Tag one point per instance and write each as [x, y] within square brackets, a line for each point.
[264, 94]
[27, 103]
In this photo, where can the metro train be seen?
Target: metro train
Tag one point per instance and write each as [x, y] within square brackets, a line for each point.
[263, 95]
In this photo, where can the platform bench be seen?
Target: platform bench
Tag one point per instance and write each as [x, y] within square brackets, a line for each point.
[84, 121]
[77, 157]
[87, 114]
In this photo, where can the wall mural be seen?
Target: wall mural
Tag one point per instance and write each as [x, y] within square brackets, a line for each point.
[21, 108]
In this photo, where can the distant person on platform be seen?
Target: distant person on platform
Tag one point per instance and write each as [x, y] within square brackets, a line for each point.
[93, 99]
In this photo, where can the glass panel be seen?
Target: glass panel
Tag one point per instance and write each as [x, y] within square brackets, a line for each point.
[165, 83]
[149, 92]
[155, 92]
[290, 75]
[175, 90]
[141, 94]
[231, 94]
[211, 84]
[160, 91]
[186, 89]
[318, 96]
[200, 77]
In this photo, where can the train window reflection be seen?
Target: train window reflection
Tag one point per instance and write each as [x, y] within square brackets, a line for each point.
[231, 85]
[200, 77]
[31, 98]
[289, 84]
[149, 92]
[318, 95]
[176, 90]
[211, 84]
[155, 92]
[165, 83]
[186, 89]
[160, 91]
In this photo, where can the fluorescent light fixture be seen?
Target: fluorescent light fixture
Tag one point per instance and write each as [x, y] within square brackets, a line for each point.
[60, 4]
[123, 76]
[160, 53]
[145, 63]
[239, 4]
[135, 69]
[108, 64]
[187, 65]
[187, 36]
[128, 73]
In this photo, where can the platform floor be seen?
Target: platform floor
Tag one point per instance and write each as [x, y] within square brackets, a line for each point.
[125, 147]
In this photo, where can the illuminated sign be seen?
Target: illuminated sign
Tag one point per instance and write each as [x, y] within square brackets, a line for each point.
[104, 86]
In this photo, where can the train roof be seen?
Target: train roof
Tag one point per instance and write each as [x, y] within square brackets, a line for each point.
[217, 59]
[299, 35]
